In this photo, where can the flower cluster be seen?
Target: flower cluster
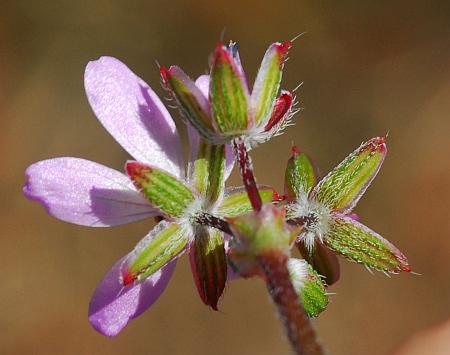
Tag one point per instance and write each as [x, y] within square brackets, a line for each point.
[227, 232]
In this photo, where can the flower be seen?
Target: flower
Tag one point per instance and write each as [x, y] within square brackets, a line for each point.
[231, 110]
[324, 211]
[87, 193]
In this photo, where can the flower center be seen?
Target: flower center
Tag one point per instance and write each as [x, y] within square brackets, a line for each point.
[313, 216]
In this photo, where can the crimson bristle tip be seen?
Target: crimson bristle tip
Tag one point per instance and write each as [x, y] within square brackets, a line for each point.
[284, 47]
[295, 150]
[164, 72]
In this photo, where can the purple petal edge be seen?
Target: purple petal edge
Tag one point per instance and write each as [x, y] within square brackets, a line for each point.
[113, 306]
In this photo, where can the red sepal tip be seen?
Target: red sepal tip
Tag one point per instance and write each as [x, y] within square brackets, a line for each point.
[164, 73]
[282, 105]
[283, 49]
[128, 278]
[135, 169]
[295, 150]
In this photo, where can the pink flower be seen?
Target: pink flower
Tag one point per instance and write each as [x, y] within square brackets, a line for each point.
[90, 194]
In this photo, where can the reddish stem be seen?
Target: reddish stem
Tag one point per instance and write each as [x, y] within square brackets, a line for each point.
[246, 169]
[298, 327]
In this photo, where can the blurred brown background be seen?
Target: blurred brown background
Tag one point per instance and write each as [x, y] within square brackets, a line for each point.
[369, 67]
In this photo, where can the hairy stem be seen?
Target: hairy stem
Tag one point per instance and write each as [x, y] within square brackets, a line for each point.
[297, 325]
[246, 169]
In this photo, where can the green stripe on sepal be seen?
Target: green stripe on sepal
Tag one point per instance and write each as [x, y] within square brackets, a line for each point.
[209, 169]
[300, 176]
[227, 94]
[342, 188]
[322, 259]
[191, 101]
[157, 248]
[267, 83]
[360, 244]
[163, 190]
[309, 286]
[236, 200]
[208, 264]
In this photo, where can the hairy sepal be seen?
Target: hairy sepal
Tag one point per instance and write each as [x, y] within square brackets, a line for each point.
[193, 104]
[300, 176]
[163, 190]
[309, 286]
[274, 265]
[358, 243]
[209, 265]
[236, 201]
[342, 188]
[280, 114]
[267, 83]
[228, 93]
[154, 251]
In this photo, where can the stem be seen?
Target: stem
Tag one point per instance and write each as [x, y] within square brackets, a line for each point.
[297, 325]
[246, 169]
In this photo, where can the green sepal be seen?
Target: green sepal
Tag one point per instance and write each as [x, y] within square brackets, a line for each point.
[191, 101]
[208, 172]
[309, 286]
[209, 264]
[300, 176]
[158, 247]
[322, 259]
[342, 188]
[236, 200]
[267, 83]
[360, 244]
[163, 190]
[228, 95]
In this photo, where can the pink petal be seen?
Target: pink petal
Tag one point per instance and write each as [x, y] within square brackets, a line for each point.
[133, 114]
[86, 193]
[202, 83]
[113, 306]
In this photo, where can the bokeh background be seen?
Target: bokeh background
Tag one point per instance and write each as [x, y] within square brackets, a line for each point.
[368, 67]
